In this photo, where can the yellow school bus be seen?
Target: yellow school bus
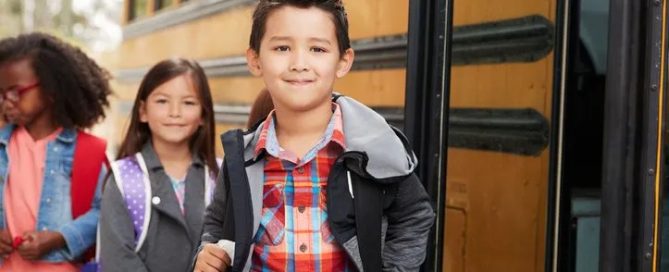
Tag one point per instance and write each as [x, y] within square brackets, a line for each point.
[531, 167]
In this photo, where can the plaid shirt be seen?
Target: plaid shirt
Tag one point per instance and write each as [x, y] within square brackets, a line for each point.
[294, 233]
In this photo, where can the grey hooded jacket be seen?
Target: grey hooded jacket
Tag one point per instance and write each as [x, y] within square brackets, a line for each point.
[377, 208]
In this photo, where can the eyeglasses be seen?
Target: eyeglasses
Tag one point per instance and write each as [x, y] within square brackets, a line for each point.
[14, 94]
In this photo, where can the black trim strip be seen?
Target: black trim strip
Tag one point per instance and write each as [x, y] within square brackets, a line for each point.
[621, 155]
[377, 53]
[516, 131]
[649, 150]
[185, 13]
[523, 39]
[427, 98]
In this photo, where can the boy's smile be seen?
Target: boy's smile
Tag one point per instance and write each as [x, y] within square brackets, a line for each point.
[299, 58]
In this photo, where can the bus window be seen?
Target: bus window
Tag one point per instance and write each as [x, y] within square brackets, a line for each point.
[137, 9]
[580, 210]
[160, 4]
[501, 94]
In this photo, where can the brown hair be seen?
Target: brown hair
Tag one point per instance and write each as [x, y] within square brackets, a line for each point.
[333, 7]
[261, 107]
[77, 87]
[202, 142]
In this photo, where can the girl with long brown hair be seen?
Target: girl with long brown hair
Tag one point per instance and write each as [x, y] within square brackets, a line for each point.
[153, 209]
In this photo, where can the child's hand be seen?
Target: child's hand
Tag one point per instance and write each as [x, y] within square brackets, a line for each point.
[36, 244]
[5, 243]
[212, 259]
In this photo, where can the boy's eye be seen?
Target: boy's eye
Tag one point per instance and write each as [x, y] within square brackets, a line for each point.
[282, 48]
[319, 50]
[161, 101]
[190, 103]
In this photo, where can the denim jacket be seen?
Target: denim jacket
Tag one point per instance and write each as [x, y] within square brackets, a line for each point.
[55, 211]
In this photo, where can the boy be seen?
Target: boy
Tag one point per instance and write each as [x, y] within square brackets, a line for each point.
[324, 183]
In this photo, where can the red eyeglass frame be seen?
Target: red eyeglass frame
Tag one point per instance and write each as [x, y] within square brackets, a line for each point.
[18, 90]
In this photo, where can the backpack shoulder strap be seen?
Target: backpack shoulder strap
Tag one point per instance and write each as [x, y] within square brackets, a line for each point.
[210, 183]
[89, 156]
[132, 180]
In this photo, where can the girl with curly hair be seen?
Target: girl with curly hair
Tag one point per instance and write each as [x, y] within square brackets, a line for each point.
[50, 170]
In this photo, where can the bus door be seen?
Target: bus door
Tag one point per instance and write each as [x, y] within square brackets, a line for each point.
[484, 85]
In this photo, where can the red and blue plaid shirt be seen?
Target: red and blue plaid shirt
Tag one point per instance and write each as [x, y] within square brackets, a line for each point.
[294, 233]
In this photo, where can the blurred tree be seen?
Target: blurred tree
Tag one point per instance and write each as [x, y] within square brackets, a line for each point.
[93, 24]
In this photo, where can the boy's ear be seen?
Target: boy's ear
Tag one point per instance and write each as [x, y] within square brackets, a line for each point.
[345, 63]
[253, 62]
[142, 112]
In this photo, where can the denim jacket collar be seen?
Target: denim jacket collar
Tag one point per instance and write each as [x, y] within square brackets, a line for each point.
[6, 133]
[68, 135]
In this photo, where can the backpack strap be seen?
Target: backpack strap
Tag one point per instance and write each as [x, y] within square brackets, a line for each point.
[209, 183]
[89, 156]
[240, 198]
[132, 180]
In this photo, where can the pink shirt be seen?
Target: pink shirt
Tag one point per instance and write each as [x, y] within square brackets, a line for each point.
[22, 195]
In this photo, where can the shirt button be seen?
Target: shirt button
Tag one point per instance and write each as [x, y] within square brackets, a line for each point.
[303, 248]
[300, 170]
[300, 209]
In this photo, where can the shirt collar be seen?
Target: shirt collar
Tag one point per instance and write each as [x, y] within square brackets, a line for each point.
[334, 133]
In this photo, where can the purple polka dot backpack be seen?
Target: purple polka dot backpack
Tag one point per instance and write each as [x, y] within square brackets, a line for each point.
[132, 179]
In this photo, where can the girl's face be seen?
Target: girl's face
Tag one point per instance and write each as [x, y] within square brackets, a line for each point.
[173, 111]
[21, 97]
[299, 58]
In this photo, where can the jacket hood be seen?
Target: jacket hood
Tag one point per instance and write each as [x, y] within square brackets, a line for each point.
[365, 131]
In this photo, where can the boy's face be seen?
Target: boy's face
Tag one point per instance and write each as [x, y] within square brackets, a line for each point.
[299, 58]
[22, 99]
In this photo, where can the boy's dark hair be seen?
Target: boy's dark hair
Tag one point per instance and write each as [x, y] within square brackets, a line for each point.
[333, 7]
[202, 142]
[74, 84]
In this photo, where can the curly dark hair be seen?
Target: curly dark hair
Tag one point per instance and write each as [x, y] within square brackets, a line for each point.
[333, 7]
[74, 84]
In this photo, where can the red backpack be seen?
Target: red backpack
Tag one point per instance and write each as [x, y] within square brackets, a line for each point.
[89, 156]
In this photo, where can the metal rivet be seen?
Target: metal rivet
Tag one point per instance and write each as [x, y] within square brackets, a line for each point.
[651, 172]
[155, 200]
[648, 255]
[653, 87]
